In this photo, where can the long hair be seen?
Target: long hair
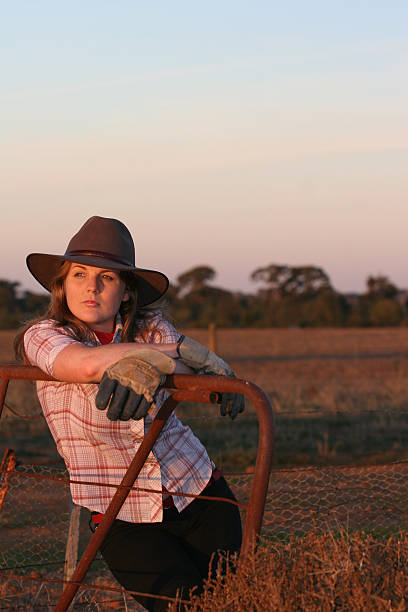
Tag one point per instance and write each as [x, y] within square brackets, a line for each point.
[136, 320]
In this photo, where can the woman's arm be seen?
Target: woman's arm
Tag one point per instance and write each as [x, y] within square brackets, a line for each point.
[86, 364]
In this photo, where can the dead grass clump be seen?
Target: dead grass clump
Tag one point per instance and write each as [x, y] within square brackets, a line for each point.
[317, 573]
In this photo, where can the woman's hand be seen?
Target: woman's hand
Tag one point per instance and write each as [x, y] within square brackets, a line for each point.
[128, 386]
[204, 361]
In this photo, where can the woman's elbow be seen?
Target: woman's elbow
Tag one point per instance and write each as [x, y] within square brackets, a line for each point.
[76, 370]
[89, 372]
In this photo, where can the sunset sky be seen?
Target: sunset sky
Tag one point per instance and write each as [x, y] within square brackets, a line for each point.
[227, 133]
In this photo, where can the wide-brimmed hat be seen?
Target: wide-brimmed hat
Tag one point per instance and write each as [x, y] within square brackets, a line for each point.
[103, 243]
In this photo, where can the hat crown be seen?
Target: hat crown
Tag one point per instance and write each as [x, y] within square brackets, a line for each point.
[105, 237]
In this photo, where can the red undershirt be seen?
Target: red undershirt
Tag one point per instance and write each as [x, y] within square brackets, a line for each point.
[104, 337]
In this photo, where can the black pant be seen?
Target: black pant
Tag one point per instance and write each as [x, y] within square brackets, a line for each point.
[175, 555]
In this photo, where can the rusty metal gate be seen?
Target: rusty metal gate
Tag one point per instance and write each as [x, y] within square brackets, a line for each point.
[185, 388]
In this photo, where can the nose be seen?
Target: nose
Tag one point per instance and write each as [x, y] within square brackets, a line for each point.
[93, 284]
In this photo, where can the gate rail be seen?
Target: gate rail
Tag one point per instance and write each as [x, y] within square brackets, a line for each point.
[185, 388]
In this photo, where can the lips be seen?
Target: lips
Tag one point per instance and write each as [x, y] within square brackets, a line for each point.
[90, 303]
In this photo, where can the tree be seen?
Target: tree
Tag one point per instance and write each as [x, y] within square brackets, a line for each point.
[328, 309]
[34, 304]
[291, 281]
[195, 303]
[195, 279]
[385, 312]
[15, 309]
[380, 287]
[9, 311]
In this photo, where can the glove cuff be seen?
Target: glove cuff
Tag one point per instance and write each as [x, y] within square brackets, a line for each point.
[179, 341]
[162, 362]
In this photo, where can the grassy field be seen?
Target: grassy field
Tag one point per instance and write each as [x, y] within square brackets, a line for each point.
[339, 397]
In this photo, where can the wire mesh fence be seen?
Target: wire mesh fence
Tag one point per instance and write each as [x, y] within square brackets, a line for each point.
[34, 522]
[353, 498]
[34, 519]
[368, 498]
[34, 526]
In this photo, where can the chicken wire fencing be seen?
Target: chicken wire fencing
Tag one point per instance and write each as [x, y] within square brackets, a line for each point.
[370, 498]
[36, 514]
[34, 518]
[37, 537]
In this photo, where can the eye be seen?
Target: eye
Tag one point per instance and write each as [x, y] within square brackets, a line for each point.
[108, 277]
[79, 274]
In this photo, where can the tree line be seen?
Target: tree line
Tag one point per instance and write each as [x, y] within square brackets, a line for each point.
[287, 296]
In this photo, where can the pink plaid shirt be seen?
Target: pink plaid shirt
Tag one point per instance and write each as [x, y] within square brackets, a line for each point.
[99, 451]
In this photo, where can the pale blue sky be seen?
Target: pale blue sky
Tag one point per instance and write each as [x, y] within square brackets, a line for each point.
[232, 134]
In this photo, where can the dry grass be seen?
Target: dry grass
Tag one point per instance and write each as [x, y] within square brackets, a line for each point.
[37, 594]
[283, 342]
[314, 377]
[327, 368]
[333, 369]
[319, 573]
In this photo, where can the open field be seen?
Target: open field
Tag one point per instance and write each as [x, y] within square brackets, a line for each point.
[339, 396]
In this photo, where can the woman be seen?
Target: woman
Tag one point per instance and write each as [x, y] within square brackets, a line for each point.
[112, 355]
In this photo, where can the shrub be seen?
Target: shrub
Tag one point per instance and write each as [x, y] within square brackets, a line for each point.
[316, 573]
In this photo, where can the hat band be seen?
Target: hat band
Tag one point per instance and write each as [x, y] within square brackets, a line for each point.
[114, 258]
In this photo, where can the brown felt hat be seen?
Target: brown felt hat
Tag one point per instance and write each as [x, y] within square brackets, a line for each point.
[103, 243]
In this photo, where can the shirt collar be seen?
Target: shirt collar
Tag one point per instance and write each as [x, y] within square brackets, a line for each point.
[117, 333]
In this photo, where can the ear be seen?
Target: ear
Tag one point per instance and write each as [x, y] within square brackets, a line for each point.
[125, 297]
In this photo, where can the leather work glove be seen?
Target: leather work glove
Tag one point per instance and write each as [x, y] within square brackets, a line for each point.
[128, 386]
[203, 361]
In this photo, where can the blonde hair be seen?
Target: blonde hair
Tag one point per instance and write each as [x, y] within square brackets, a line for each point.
[136, 320]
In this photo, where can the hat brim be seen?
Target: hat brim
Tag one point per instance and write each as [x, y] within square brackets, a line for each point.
[151, 284]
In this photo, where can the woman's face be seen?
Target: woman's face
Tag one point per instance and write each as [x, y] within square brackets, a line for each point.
[94, 295]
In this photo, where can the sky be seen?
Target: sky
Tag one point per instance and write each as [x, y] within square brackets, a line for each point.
[233, 134]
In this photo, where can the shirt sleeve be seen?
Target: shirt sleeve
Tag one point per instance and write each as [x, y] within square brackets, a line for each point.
[160, 332]
[43, 342]
[164, 332]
